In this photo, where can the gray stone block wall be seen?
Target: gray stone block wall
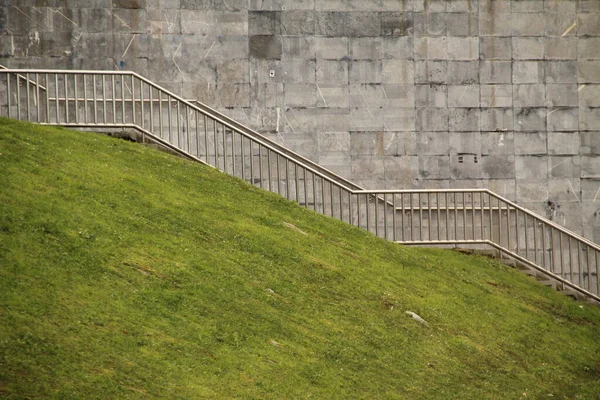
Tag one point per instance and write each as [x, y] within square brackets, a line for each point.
[389, 93]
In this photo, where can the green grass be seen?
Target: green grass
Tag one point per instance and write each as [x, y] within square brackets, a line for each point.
[129, 273]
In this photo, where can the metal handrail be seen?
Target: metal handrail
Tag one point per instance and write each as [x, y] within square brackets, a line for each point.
[475, 217]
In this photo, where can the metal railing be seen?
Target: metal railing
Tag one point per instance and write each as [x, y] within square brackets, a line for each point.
[115, 99]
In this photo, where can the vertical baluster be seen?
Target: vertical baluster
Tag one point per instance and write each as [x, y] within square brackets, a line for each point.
[473, 215]
[114, 99]
[429, 221]
[18, 82]
[151, 105]
[197, 123]
[297, 184]
[251, 163]
[260, 165]
[160, 114]
[323, 195]
[499, 222]
[517, 236]
[76, 93]
[188, 130]
[367, 202]
[9, 94]
[133, 100]
[57, 98]
[65, 83]
[27, 97]
[37, 91]
[464, 213]
[385, 219]
[437, 202]
[350, 209]
[305, 188]
[216, 146]
[402, 224]
[376, 214]
[233, 133]
[314, 184]
[242, 150]
[412, 212]
[287, 180]
[455, 217]
[394, 233]
[447, 212]
[550, 266]
[170, 123]
[85, 99]
[206, 145]
[525, 218]
[278, 171]
[225, 154]
[491, 217]
[142, 113]
[572, 263]
[508, 221]
[331, 199]
[95, 97]
[358, 218]
[123, 99]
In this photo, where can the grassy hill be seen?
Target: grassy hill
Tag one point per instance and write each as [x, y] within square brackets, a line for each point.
[129, 273]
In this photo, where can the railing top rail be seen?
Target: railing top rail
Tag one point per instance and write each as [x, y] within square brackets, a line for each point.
[221, 119]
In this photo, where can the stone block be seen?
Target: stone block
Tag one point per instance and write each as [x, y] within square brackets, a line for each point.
[531, 143]
[528, 24]
[588, 24]
[367, 167]
[561, 24]
[563, 119]
[496, 96]
[128, 4]
[434, 167]
[560, 48]
[460, 48]
[431, 96]
[232, 47]
[233, 71]
[366, 48]
[230, 23]
[588, 71]
[465, 167]
[55, 44]
[365, 71]
[434, 24]
[397, 71]
[129, 20]
[496, 119]
[463, 96]
[260, 71]
[432, 119]
[497, 143]
[530, 119]
[400, 48]
[465, 143]
[298, 47]
[523, 6]
[462, 24]
[457, 6]
[498, 166]
[432, 72]
[590, 142]
[495, 48]
[373, 143]
[433, 143]
[494, 24]
[495, 72]
[402, 170]
[331, 48]
[263, 95]
[565, 190]
[494, 6]
[529, 72]
[432, 48]
[588, 48]
[561, 71]
[332, 72]
[529, 95]
[300, 95]
[464, 119]
[398, 119]
[563, 143]
[564, 166]
[265, 23]
[366, 95]
[407, 143]
[531, 167]
[332, 24]
[463, 72]
[298, 70]
[363, 24]
[334, 142]
[589, 119]
[335, 96]
[531, 191]
[298, 22]
[590, 190]
[196, 4]
[588, 6]
[193, 22]
[234, 95]
[590, 166]
[334, 120]
[561, 95]
[365, 119]
[265, 47]
[397, 24]
[300, 119]
[402, 96]
[528, 48]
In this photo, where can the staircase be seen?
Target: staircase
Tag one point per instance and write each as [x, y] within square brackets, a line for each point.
[475, 218]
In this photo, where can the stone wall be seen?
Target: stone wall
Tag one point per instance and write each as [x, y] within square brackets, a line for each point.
[389, 93]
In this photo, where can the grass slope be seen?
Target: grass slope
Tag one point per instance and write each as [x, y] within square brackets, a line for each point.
[130, 273]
